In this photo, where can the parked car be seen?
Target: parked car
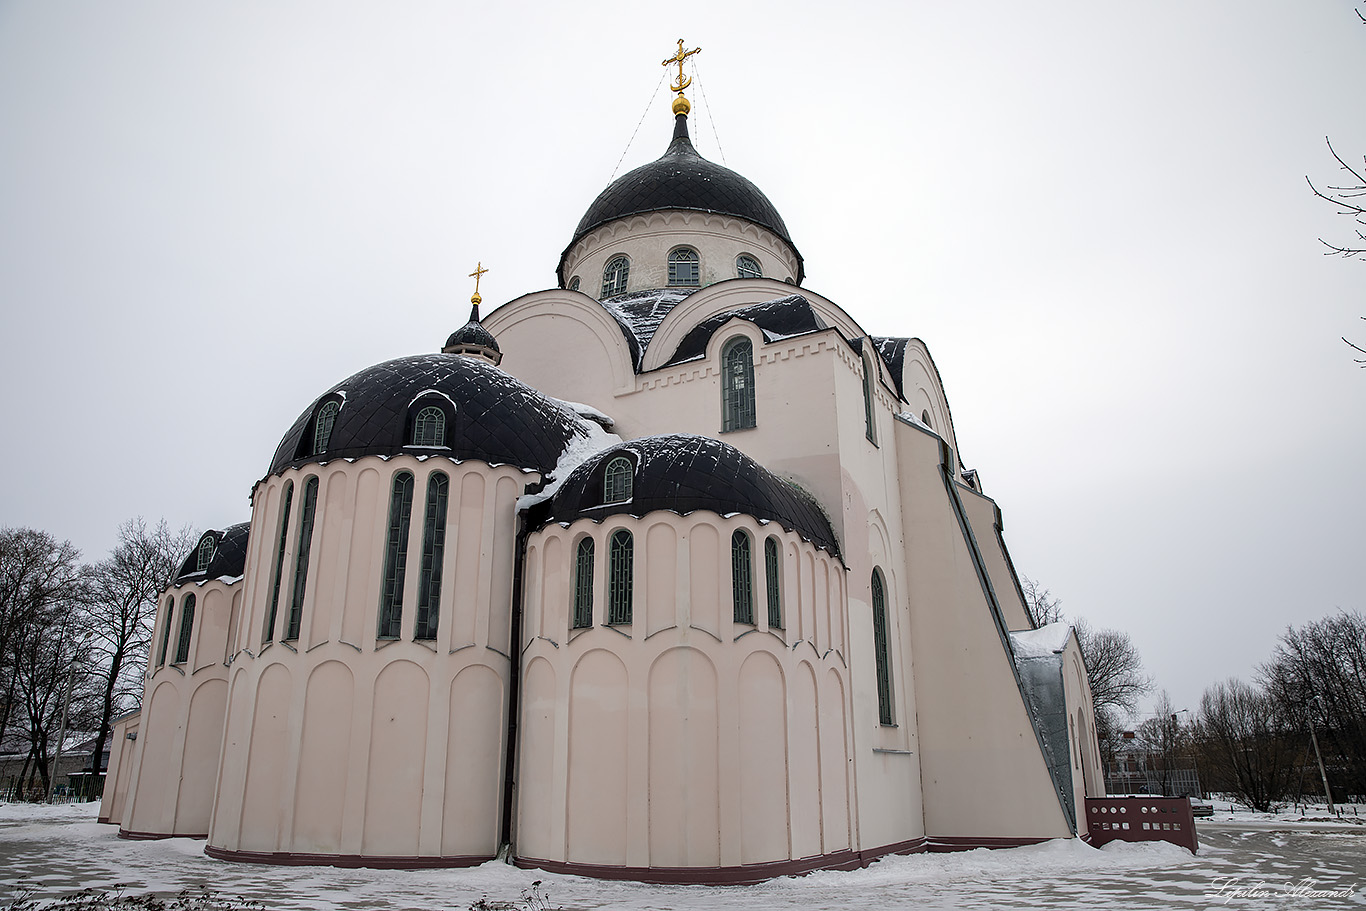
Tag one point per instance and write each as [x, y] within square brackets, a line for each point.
[1201, 807]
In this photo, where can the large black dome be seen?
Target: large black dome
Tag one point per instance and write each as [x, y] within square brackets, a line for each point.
[490, 416]
[683, 473]
[681, 179]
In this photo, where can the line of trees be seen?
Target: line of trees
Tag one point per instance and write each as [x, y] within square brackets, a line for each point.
[74, 637]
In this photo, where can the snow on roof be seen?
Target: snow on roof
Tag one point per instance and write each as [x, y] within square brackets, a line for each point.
[641, 312]
[1041, 642]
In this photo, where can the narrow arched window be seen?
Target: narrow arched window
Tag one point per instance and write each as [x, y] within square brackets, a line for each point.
[773, 579]
[683, 267]
[204, 555]
[615, 275]
[583, 584]
[574, 283]
[882, 651]
[433, 556]
[322, 427]
[925, 419]
[741, 577]
[869, 428]
[620, 579]
[747, 266]
[165, 631]
[737, 385]
[182, 649]
[429, 427]
[304, 546]
[268, 634]
[395, 556]
[616, 482]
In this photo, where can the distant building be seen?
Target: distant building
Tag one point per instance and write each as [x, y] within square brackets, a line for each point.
[670, 572]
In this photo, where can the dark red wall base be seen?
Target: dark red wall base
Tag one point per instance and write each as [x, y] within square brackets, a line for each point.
[377, 862]
[156, 836]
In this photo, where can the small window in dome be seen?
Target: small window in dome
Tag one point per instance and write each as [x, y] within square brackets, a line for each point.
[574, 283]
[683, 267]
[429, 427]
[206, 549]
[747, 266]
[617, 480]
[615, 275]
[322, 427]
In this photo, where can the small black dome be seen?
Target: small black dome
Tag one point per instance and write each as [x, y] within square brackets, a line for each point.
[681, 179]
[490, 416]
[472, 334]
[684, 473]
[229, 555]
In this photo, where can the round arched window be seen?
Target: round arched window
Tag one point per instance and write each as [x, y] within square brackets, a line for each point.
[747, 266]
[429, 427]
[683, 267]
[574, 283]
[615, 275]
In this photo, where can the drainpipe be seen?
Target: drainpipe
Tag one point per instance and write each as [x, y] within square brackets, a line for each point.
[514, 686]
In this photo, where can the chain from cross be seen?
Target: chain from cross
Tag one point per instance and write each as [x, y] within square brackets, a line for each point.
[478, 272]
[678, 58]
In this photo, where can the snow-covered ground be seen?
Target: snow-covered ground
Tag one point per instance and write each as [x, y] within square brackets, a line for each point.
[1244, 862]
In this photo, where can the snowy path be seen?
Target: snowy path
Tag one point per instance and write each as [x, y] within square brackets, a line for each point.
[58, 850]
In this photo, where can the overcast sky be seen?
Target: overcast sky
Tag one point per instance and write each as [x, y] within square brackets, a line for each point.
[1094, 213]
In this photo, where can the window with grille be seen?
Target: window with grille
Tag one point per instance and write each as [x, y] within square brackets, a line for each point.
[619, 577]
[737, 385]
[869, 429]
[322, 427]
[205, 554]
[741, 577]
[683, 267]
[182, 649]
[574, 283]
[395, 556]
[773, 579]
[268, 634]
[583, 584]
[748, 267]
[296, 604]
[882, 652]
[615, 275]
[616, 485]
[429, 427]
[165, 632]
[433, 555]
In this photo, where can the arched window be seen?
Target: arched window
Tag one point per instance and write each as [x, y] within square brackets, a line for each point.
[925, 419]
[882, 651]
[869, 427]
[429, 427]
[583, 584]
[165, 631]
[615, 275]
[773, 577]
[619, 577]
[616, 481]
[737, 384]
[741, 577]
[268, 634]
[322, 427]
[205, 554]
[683, 267]
[182, 648]
[433, 556]
[395, 556]
[574, 283]
[747, 266]
[296, 603]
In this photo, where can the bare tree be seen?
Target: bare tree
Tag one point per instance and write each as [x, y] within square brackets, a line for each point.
[121, 610]
[1248, 745]
[1164, 739]
[1113, 668]
[1043, 606]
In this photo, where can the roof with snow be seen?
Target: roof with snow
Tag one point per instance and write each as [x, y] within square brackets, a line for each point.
[490, 416]
[781, 318]
[640, 313]
[682, 179]
[683, 473]
[229, 555]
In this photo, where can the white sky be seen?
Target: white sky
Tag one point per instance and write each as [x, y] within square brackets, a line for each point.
[1094, 213]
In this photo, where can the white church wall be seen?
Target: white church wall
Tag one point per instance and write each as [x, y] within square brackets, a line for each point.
[985, 519]
[339, 743]
[684, 739]
[118, 775]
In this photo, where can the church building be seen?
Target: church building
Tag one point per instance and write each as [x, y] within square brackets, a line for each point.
[671, 572]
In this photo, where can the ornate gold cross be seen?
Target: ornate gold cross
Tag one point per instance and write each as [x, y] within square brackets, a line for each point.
[678, 58]
[478, 272]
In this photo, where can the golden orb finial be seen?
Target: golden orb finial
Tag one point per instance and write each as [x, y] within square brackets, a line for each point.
[681, 104]
[478, 273]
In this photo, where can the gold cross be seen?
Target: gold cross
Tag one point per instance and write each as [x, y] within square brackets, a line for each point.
[678, 58]
[479, 270]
